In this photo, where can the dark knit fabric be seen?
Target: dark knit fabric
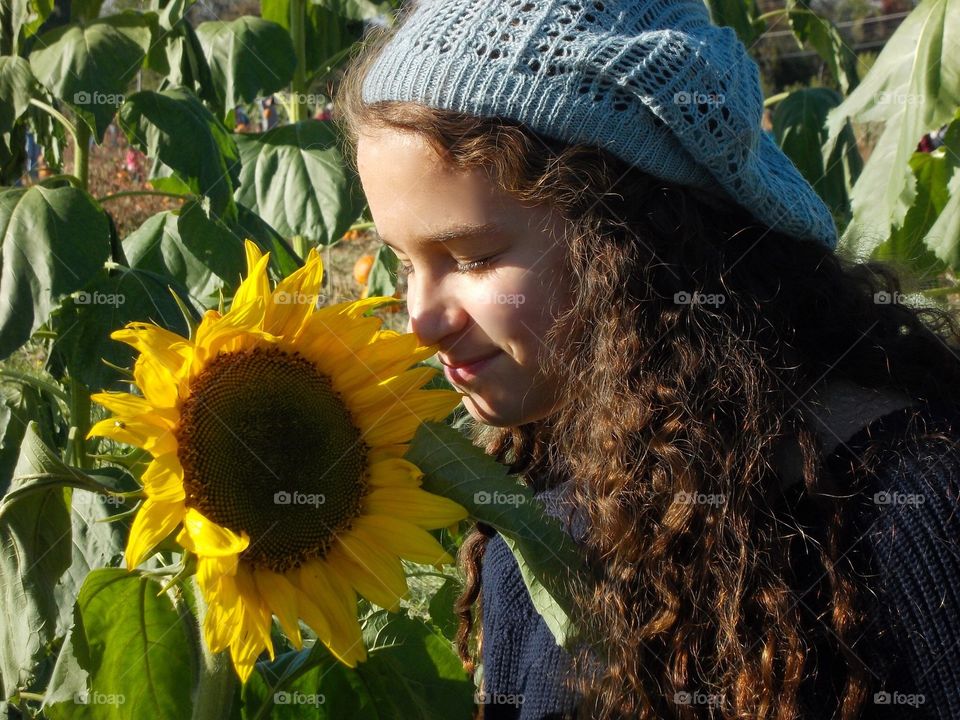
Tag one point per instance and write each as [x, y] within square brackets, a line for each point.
[909, 552]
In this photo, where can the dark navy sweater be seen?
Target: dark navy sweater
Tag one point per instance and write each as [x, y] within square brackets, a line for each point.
[910, 537]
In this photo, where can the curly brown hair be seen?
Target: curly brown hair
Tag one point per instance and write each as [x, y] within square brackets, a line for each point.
[663, 398]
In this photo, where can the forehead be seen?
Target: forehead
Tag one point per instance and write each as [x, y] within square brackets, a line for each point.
[413, 192]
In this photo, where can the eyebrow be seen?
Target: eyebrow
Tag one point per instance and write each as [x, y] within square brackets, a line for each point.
[456, 232]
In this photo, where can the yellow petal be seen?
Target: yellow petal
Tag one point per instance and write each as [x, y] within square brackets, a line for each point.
[222, 622]
[337, 600]
[167, 348]
[397, 421]
[204, 537]
[378, 577]
[121, 403]
[154, 521]
[254, 633]
[403, 538]
[256, 285]
[383, 359]
[392, 389]
[294, 298]
[163, 479]
[159, 385]
[280, 597]
[141, 432]
[423, 509]
[394, 472]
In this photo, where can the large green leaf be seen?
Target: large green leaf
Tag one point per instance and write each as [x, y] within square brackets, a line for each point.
[249, 58]
[90, 66]
[411, 672]
[112, 299]
[20, 19]
[35, 537]
[159, 122]
[17, 87]
[296, 179]
[200, 253]
[328, 35]
[913, 87]
[53, 241]
[938, 207]
[825, 39]
[129, 654]
[548, 558]
[798, 125]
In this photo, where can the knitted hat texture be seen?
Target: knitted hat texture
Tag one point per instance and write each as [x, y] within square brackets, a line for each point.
[652, 81]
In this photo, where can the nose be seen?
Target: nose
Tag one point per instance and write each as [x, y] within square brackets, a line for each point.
[433, 313]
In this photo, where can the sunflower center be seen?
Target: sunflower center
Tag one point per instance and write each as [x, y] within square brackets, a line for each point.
[268, 447]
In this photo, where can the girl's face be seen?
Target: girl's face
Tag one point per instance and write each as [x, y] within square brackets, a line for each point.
[485, 273]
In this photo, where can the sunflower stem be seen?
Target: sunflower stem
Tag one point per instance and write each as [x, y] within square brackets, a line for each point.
[217, 679]
[79, 423]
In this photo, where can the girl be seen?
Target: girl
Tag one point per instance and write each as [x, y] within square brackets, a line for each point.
[752, 440]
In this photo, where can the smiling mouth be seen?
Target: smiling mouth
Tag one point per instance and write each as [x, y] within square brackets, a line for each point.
[465, 372]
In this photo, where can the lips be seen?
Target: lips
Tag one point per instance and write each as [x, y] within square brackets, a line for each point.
[464, 371]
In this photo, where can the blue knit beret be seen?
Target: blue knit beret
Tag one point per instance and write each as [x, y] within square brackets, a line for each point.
[652, 81]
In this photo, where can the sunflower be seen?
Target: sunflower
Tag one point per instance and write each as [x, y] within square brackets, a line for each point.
[276, 435]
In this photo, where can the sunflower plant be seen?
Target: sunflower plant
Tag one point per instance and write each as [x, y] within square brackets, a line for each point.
[276, 434]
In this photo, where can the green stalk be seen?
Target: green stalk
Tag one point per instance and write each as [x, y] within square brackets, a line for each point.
[298, 86]
[217, 678]
[81, 156]
[79, 423]
[56, 114]
[134, 193]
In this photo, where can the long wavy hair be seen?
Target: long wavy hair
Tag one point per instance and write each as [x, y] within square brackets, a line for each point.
[664, 398]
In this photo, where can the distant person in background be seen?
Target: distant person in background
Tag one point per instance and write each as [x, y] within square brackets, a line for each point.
[33, 157]
[268, 110]
[932, 140]
[324, 112]
[242, 120]
[132, 163]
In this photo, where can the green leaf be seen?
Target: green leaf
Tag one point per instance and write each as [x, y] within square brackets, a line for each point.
[248, 57]
[53, 242]
[442, 603]
[129, 654]
[825, 39]
[913, 87]
[383, 273]
[89, 67]
[158, 122]
[113, 299]
[938, 207]
[85, 10]
[17, 87]
[548, 558]
[23, 18]
[297, 180]
[328, 35]
[411, 672]
[741, 15]
[35, 537]
[798, 125]
[201, 255]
